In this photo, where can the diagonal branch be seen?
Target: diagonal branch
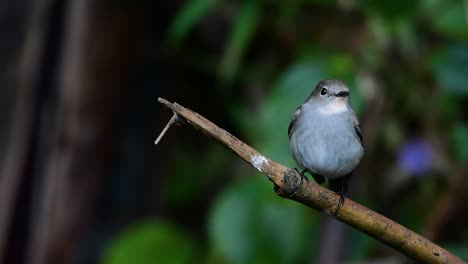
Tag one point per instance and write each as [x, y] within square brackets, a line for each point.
[288, 184]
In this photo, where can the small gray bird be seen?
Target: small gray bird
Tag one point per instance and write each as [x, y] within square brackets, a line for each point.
[325, 138]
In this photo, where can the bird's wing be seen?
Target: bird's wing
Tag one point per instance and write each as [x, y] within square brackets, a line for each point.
[293, 121]
[357, 129]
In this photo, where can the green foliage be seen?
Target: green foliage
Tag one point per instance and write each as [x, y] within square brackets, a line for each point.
[459, 250]
[241, 35]
[151, 242]
[190, 14]
[460, 142]
[192, 173]
[416, 52]
[446, 17]
[250, 225]
[449, 106]
[450, 69]
[389, 9]
[360, 244]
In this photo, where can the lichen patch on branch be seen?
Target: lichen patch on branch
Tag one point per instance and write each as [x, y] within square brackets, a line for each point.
[257, 161]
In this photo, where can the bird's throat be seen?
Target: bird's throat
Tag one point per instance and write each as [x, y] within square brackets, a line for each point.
[336, 106]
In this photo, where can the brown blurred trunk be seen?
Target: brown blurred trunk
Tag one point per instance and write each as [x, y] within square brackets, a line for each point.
[449, 210]
[17, 169]
[96, 59]
[332, 241]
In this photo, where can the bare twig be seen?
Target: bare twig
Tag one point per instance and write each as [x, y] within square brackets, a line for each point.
[288, 184]
[169, 124]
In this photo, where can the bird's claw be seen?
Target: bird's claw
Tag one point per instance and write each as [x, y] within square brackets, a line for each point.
[302, 174]
[302, 178]
[340, 202]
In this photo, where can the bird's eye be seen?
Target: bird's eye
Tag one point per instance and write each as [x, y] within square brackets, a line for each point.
[323, 91]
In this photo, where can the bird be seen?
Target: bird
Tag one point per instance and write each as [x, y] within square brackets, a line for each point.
[325, 138]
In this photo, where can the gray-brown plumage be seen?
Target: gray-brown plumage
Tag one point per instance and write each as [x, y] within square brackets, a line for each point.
[324, 136]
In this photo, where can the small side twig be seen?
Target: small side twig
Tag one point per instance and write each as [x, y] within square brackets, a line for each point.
[173, 119]
[288, 184]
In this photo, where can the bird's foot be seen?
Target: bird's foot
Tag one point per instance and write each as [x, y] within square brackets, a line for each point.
[340, 186]
[340, 201]
[302, 174]
[303, 177]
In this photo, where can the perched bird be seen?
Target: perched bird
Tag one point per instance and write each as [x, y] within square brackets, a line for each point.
[324, 136]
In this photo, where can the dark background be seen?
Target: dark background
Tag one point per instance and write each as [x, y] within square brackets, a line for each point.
[82, 182]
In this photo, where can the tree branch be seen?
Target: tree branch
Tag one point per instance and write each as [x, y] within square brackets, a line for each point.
[289, 184]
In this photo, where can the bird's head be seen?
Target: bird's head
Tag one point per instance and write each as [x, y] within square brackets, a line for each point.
[330, 96]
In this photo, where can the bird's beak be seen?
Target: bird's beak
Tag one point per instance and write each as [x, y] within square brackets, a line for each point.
[342, 94]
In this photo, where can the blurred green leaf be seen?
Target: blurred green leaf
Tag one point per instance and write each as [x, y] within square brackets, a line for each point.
[459, 250]
[287, 13]
[413, 213]
[360, 244]
[449, 106]
[460, 142]
[249, 224]
[392, 135]
[390, 10]
[408, 37]
[190, 14]
[341, 64]
[451, 67]
[240, 36]
[447, 17]
[189, 178]
[151, 242]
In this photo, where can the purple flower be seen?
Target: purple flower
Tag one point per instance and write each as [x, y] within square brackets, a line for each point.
[415, 157]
